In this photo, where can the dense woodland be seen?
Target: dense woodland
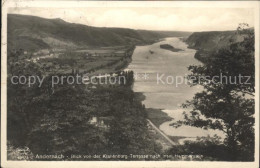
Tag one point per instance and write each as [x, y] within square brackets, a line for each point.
[51, 120]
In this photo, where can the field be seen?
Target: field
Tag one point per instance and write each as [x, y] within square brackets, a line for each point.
[95, 60]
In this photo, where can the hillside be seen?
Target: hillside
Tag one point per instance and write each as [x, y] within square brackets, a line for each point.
[207, 42]
[212, 40]
[151, 35]
[34, 33]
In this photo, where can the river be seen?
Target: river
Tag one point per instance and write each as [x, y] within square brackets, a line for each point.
[161, 73]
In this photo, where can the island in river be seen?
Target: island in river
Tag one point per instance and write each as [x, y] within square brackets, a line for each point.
[169, 47]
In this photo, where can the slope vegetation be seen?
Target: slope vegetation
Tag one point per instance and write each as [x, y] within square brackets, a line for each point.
[34, 33]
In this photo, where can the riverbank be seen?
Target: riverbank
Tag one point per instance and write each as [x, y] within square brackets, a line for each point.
[157, 116]
[163, 101]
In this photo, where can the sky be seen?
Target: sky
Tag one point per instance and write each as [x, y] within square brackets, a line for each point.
[171, 19]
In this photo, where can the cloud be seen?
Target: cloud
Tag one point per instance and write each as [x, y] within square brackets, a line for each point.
[182, 19]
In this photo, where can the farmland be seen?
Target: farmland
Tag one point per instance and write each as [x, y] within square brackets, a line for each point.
[94, 60]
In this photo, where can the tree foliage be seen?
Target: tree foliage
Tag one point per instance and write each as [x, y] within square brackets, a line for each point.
[56, 120]
[224, 104]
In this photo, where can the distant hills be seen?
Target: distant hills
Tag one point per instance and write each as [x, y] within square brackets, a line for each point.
[34, 33]
[212, 39]
[207, 42]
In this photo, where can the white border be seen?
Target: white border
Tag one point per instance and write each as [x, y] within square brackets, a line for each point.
[97, 164]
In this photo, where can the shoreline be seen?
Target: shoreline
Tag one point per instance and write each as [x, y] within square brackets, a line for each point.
[157, 116]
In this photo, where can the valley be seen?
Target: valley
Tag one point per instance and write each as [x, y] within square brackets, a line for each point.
[138, 117]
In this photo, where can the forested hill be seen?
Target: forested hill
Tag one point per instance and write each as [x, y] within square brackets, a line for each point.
[151, 35]
[207, 42]
[212, 39]
[33, 33]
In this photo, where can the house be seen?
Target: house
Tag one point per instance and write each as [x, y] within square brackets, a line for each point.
[100, 122]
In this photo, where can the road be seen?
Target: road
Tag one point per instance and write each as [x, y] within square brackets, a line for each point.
[160, 132]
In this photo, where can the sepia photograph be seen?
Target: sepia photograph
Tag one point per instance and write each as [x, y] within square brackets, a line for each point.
[136, 84]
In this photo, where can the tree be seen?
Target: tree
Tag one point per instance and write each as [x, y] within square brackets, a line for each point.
[227, 104]
[207, 148]
[21, 99]
[64, 127]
